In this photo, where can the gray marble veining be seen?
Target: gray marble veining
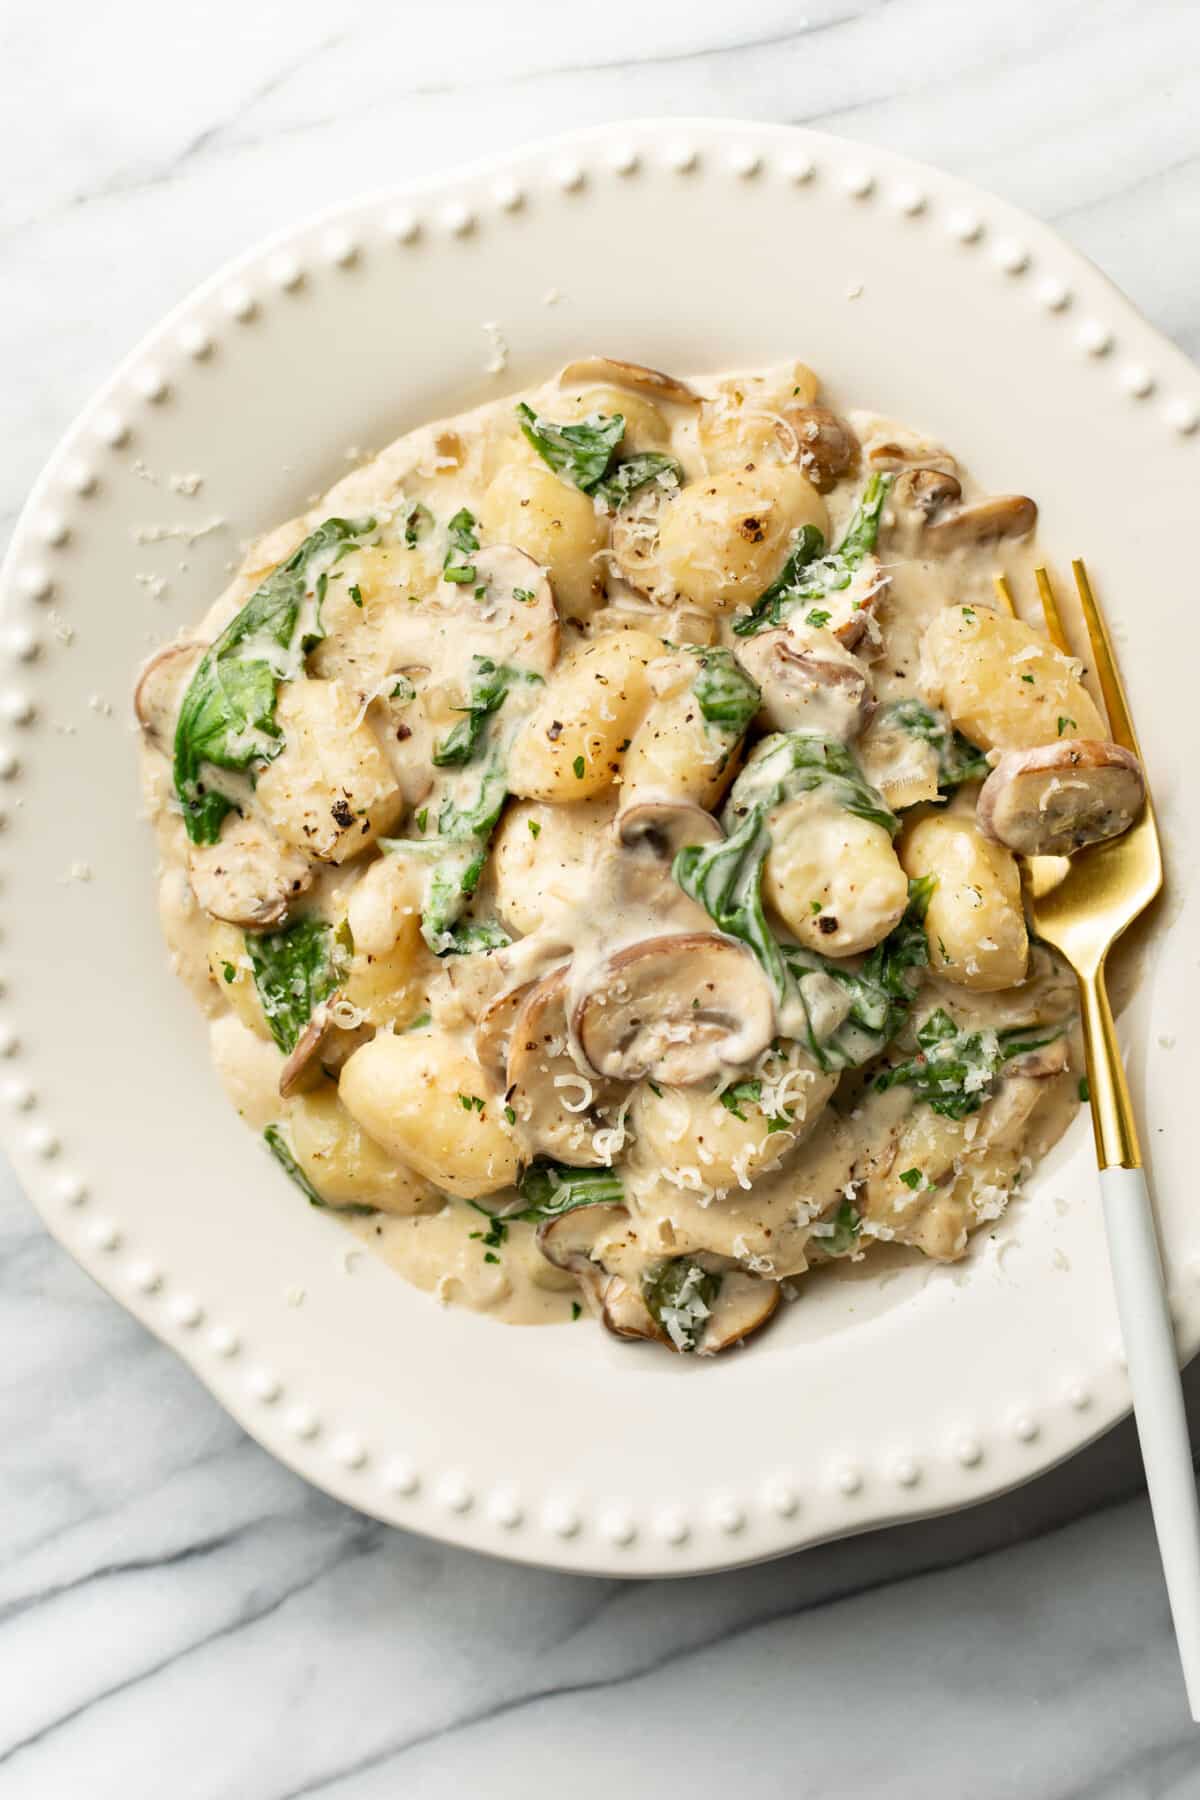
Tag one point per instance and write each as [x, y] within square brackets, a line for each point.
[180, 1616]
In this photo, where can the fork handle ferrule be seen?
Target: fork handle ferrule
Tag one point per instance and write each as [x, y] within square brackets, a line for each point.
[1112, 1114]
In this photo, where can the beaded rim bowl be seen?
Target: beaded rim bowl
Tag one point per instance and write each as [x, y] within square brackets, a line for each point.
[687, 245]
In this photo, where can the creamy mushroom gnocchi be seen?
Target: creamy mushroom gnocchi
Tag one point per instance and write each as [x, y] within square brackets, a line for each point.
[593, 833]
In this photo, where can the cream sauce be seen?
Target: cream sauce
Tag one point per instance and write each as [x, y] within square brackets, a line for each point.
[755, 1184]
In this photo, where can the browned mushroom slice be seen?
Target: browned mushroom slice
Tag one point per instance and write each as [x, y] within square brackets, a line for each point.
[743, 1306]
[828, 447]
[556, 1105]
[807, 687]
[629, 375]
[160, 689]
[568, 1242]
[626, 1314]
[1059, 797]
[918, 495]
[675, 1009]
[493, 1032]
[851, 608]
[247, 877]
[323, 1045]
[665, 827]
[982, 522]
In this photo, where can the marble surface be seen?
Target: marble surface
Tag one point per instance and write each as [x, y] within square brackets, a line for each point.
[181, 1617]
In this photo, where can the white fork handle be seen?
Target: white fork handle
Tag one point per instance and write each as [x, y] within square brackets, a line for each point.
[1158, 1404]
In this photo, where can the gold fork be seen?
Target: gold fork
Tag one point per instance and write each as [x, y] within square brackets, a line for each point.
[1082, 906]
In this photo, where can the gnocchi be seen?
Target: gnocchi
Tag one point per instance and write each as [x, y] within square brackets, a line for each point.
[593, 834]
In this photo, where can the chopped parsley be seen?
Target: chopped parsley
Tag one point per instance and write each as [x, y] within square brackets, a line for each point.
[355, 593]
[524, 595]
[535, 829]
[744, 1092]
[417, 521]
[458, 567]
[912, 1178]
[1028, 678]
[470, 1103]
[576, 1310]
[1085, 1091]
[228, 971]
[818, 618]
[1063, 723]
[578, 766]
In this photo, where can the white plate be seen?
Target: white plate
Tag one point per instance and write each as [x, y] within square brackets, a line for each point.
[688, 246]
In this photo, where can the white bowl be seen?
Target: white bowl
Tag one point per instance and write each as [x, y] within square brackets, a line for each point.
[688, 245]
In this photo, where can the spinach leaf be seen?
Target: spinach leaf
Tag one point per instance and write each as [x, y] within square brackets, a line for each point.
[581, 453]
[846, 1224]
[768, 609]
[726, 880]
[457, 855]
[955, 1071]
[551, 1188]
[489, 687]
[808, 575]
[457, 566]
[292, 1169]
[477, 935]
[726, 694]
[788, 764]
[958, 759]
[636, 472]
[294, 970]
[227, 719]
[681, 1296]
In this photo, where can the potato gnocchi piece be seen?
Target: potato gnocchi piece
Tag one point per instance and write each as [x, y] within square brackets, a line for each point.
[425, 1102]
[645, 426]
[543, 856]
[330, 791]
[347, 1167]
[833, 878]
[571, 745]
[724, 539]
[1004, 686]
[723, 1140]
[974, 923]
[528, 505]
[674, 753]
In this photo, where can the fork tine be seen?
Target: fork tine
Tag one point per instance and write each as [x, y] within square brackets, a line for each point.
[1004, 594]
[1050, 612]
[1119, 721]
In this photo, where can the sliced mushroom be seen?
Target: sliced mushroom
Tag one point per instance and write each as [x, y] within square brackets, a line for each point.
[665, 827]
[918, 495]
[493, 1033]
[742, 1307]
[568, 1242]
[982, 522]
[675, 1009]
[828, 447]
[160, 689]
[557, 1106]
[814, 686]
[247, 877]
[851, 608]
[629, 375]
[1059, 797]
[626, 1314]
[323, 1045]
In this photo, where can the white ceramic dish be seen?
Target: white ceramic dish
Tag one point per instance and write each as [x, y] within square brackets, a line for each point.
[687, 245]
